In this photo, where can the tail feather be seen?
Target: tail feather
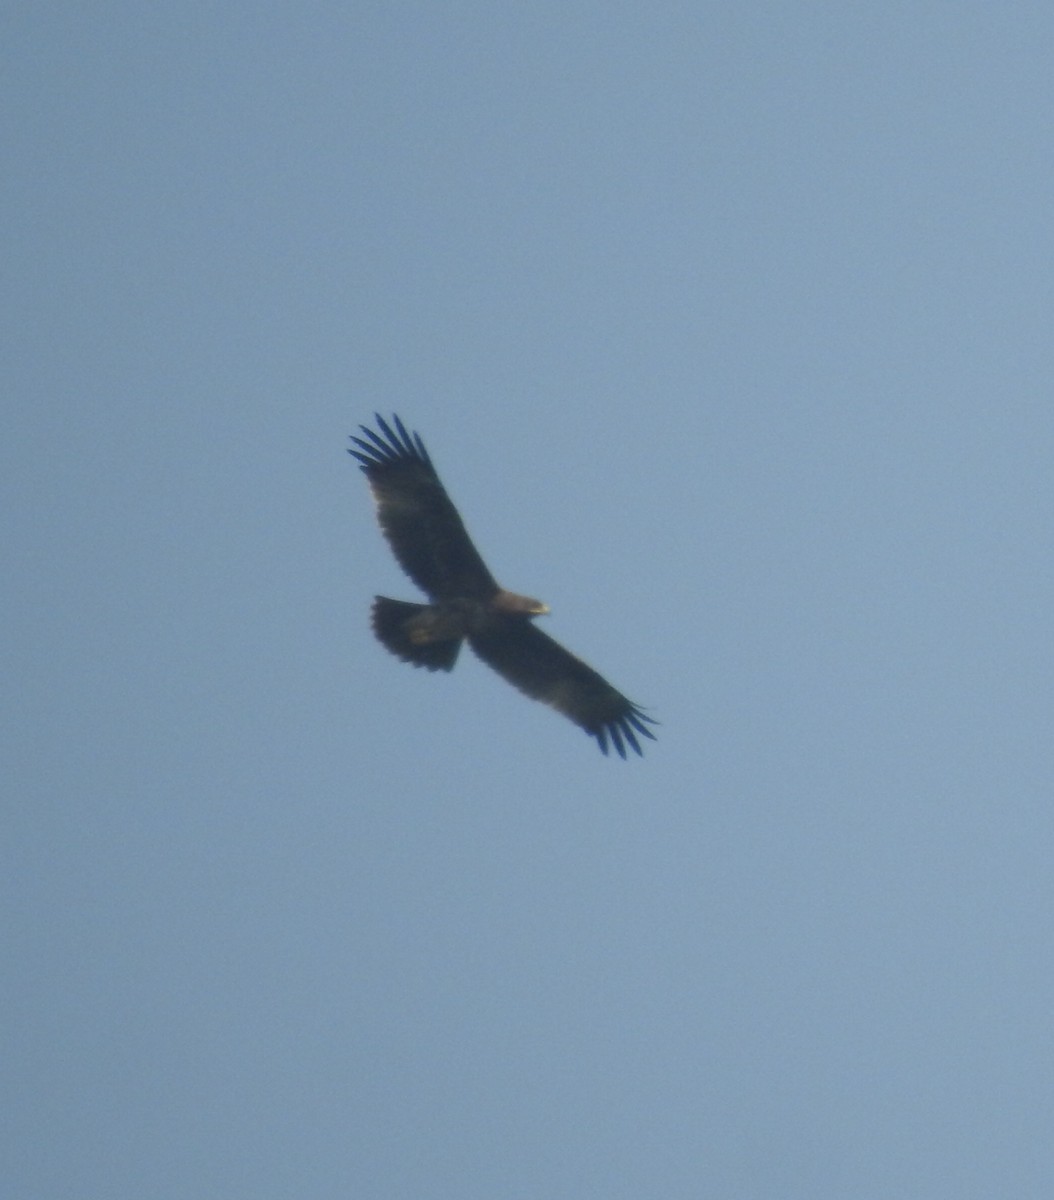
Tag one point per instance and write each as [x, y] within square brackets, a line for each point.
[403, 628]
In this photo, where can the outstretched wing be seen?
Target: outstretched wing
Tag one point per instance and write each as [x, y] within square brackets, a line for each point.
[544, 670]
[421, 524]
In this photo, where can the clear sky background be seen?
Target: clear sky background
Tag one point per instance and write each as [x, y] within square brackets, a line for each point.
[729, 328]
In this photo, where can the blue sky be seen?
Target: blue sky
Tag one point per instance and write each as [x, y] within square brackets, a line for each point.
[729, 330]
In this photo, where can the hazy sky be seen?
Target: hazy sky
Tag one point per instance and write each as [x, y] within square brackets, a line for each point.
[729, 328]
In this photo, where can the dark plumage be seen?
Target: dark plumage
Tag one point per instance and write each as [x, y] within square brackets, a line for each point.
[431, 545]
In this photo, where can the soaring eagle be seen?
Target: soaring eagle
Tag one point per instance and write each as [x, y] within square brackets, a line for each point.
[467, 604]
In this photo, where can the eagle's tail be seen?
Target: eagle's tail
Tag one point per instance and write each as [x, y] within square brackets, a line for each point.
[410, 632]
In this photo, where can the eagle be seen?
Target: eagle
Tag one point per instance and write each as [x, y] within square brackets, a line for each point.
[466, 603]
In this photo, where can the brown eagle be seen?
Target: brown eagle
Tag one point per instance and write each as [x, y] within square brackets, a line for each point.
[467, 604]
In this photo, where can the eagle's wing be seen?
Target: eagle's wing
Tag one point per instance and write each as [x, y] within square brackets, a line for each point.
[544, 670]
[421, 524]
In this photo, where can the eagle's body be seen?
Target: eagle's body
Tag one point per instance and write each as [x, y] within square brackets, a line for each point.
[431, 544]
